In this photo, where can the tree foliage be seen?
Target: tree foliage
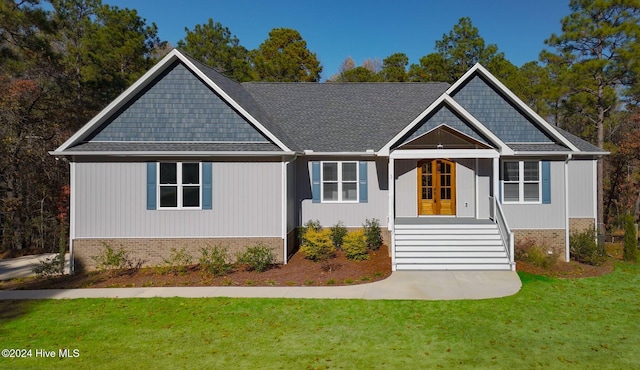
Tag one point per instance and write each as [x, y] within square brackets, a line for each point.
[217, 47]
[284, 57]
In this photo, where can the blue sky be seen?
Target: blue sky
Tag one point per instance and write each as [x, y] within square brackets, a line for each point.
[335, 30]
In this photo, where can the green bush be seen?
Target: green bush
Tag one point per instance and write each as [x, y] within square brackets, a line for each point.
[309, 225]
[50, 267]
[527, 250]
[317, 245]
[111, 259]
[355, 246]
[338, 231]
[373, 234]
[257, 258]
[585, 249]
[177, 262]
[215, 260]
[631, 252]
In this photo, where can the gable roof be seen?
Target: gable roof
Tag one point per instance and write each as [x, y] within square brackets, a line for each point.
[220, 88]
[316, 117]
[344, 117]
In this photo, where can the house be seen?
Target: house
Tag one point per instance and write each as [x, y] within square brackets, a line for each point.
[455, 174]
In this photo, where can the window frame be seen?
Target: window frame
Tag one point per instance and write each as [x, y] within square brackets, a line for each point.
[179, 185]
[340, 182]
[521, 182]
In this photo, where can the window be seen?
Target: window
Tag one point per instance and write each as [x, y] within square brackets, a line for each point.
[179, 185]
[521, 182]
[340, 182]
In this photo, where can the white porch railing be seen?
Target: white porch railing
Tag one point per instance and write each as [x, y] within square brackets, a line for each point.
[497, 215]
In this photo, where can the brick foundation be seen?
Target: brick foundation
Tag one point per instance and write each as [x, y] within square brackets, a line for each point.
[152, 252]
[553, 239]
[578, 225]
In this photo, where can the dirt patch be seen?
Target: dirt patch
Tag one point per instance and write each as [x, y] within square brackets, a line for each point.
[298, 272]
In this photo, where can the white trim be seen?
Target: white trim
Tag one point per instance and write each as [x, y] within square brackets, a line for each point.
[340, 182]
[496, 83]
[567, 247]
[446, 99]
[142, 82]
[496, 184]
[284, 211]
[444, 153]
[521, 182]
[311, 153]
[392, 213]
[595, 192]
[477, 192]
[469, 138]
[179, 188]
[173, 154]
[72, 213]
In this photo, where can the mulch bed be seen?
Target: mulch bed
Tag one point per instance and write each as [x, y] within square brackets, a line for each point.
[297, 272]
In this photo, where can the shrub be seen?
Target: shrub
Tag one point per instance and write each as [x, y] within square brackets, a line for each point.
[215, 260]
[373, 234]
[355, 246]
[584, 249]
[177, 261]
[317, 245]
[631, 252]
[50, 267]
[111, 259]
[309, 225]
[338, 231]
[527, 250]
[257, 258]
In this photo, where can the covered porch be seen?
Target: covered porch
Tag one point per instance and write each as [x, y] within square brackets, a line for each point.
[444, 213]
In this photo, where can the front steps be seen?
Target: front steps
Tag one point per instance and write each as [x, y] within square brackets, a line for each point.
[442, 246]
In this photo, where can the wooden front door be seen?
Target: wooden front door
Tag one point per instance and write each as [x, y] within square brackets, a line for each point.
[436, 187]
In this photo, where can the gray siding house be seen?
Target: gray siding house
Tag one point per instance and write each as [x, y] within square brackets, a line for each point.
[454, 173]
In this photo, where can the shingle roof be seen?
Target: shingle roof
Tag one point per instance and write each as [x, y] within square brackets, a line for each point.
[127, 146]
[344, 117]
[581, 144]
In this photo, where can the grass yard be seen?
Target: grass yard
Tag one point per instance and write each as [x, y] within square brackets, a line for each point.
[581, 323]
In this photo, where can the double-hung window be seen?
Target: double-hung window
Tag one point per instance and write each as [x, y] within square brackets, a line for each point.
[179, 185]
[340, 182]
[521, 182]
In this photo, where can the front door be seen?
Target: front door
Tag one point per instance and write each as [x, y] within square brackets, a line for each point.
[436, 187]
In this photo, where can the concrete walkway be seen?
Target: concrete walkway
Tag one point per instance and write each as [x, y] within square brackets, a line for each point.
[20, 267]
[401, 285]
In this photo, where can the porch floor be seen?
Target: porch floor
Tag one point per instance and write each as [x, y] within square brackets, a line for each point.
[441, 221]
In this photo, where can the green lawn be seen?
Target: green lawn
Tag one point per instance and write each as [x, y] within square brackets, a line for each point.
[586, 323]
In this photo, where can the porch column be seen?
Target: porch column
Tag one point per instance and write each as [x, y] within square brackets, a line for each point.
[392, 213]
[496, 181]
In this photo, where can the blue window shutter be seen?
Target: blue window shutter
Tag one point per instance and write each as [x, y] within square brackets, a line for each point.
[152, 167]
[364, 188]
[546, 182]
[207, 191]
[315, 181]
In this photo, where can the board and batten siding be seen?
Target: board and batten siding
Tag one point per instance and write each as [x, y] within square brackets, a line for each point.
[351, 214]
[581, 189]
[111, 203]
[541, 216]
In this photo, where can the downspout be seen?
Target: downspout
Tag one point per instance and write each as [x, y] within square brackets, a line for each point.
[567, 255]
